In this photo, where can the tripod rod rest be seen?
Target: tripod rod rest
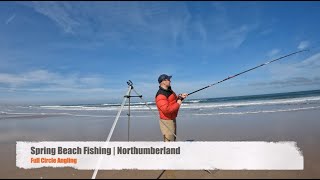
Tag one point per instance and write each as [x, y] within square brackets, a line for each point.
[132, 96]
[130, 83]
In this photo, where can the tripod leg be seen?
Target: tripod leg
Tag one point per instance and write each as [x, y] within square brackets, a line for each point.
[208, 171]
[110, 133]
[161, 174]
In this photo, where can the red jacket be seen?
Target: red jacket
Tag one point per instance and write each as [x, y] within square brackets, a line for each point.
[167, 105]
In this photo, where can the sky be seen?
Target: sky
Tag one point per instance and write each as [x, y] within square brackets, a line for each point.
[85, 52]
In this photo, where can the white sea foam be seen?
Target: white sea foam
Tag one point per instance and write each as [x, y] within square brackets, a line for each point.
[23, 114]
[76, 108]
[257, 112]
[254, 103]
[193, 101]
[64, 114]
[196, 104]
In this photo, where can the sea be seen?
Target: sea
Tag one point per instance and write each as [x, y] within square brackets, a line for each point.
[237, 106]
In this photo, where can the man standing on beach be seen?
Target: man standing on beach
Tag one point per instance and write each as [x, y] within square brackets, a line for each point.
[168, 104]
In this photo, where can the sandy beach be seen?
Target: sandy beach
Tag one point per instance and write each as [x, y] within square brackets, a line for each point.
[299, 126]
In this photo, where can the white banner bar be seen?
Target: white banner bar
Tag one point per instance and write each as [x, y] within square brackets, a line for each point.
[242, 155]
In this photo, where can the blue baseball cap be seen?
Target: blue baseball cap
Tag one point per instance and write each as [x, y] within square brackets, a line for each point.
[163, 77]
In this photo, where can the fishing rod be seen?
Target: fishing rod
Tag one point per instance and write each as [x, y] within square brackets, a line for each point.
[230, 77]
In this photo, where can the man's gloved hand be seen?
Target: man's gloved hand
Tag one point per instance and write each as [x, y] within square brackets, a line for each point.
[182, 96]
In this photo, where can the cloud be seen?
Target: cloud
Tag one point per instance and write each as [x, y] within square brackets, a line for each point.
[305, 72]
[44, 79]
[58, 13]
[235, 37]
[147, 26]
[294, 81]
[42, 86]
[311, 62]
[10, 19]
[55, 89]
[223, 31]
[273, 52]
[266, 31]
[49, 87]
[138, 26]
[303, 45]
[108, 17]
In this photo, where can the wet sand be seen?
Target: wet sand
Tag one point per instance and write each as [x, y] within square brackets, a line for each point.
[301, 126]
